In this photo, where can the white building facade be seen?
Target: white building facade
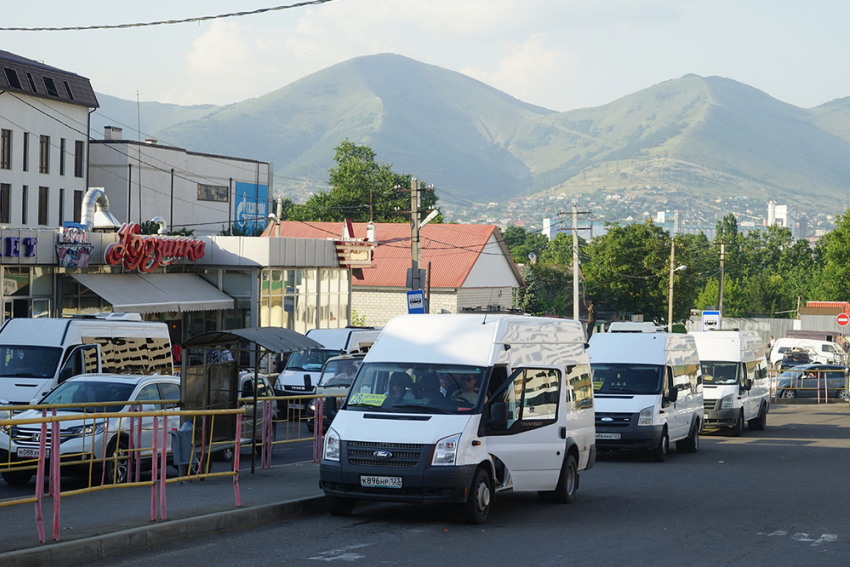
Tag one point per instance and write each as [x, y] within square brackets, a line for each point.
[44, 118]
[202, 192]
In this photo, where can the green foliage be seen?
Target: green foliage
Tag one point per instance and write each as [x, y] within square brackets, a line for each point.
[834, 278]
[357, 320]
[236, 230]
[521, 243]
[357, 181]
[548, 290]
[150, 227]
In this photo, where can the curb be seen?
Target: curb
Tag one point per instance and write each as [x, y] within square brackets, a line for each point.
[65, 554]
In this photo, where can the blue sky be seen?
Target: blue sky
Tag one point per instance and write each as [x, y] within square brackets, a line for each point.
[560, 54]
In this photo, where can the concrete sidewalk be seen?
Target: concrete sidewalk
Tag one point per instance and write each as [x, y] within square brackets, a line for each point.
[117, 521]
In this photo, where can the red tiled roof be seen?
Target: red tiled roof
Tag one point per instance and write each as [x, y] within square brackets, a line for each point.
[452, 249]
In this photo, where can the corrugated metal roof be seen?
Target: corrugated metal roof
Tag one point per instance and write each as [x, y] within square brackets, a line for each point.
[452, 249]
[16, 68]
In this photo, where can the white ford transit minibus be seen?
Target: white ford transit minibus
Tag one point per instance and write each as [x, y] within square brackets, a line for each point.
[734, 374]
[455, 408]
[647, 389]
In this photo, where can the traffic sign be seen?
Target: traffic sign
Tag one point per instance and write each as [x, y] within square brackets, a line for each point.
[416, 301]
[843, 319]
[710, 320]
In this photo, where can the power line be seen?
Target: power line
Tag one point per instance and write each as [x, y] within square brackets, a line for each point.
[169, 22]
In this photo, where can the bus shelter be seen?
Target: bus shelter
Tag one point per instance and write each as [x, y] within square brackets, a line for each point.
[210, 373]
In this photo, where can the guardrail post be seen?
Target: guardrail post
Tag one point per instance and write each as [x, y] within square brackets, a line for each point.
[236, 452]
[162, 469]
[54, 473]
[154, 477]
[39, 477]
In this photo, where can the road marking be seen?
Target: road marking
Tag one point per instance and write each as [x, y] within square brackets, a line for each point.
[343, 554]
[824, 538]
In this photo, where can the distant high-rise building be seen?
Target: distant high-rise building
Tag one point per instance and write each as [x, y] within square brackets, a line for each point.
[783, 215]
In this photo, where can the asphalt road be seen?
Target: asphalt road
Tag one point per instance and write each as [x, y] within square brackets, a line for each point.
[778, 497]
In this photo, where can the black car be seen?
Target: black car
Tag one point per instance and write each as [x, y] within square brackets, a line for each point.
[809, 380]
[793, 358]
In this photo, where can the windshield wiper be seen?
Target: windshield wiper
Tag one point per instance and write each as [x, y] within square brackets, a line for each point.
[422, 408]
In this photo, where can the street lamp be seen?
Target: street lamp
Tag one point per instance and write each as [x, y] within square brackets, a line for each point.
[670, 297]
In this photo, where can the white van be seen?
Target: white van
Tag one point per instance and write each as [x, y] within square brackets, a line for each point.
[735, 382]
[454, 408]
[647, 389]
[36, 355]
[309, 362]
[823, 352]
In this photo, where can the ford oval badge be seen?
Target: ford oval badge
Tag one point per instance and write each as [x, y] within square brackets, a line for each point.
[607, 419]
[382, 455]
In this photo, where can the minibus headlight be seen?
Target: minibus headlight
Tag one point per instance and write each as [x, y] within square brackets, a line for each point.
[332, 443]
[645, 417]
[446, 451]
[726, 401]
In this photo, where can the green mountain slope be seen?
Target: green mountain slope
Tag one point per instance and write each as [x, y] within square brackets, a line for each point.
[686, 141]
[153, 116]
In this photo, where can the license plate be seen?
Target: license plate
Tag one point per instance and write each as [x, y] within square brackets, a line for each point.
[381, 481]
[294, 405]
[607, 435]
[30, 452]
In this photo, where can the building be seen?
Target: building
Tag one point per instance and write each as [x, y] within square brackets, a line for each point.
[783, 215]
[44, 129]
[202, 192]
[470, 266]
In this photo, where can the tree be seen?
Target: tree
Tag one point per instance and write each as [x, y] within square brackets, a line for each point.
[628, 270]
[360, 184]
[150, 227]
[522, 243]
[834, 252]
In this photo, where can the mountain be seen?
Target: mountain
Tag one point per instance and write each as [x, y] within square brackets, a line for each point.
[153, 117]
[686, 142]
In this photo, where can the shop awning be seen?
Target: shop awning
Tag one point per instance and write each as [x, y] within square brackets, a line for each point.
[153, 293]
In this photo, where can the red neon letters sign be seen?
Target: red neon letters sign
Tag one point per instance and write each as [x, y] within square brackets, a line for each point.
[147, 253]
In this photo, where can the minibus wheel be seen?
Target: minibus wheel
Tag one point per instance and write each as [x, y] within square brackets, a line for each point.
[565, 491]
[660, 452]
[477, 506]
[339, 506]
[739, 425]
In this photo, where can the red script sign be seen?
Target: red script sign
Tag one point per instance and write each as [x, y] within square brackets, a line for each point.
[147, 253]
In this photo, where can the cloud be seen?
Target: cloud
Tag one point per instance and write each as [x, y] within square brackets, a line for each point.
[532, 72]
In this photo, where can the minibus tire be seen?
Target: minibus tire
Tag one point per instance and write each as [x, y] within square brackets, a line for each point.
[565, 491]
[760, 421]
[477, 506]
[17, 478]
[739, 425]
[659, 454]
[339, 506]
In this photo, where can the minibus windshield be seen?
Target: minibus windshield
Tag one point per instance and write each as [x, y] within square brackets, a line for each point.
[720, 373]
[28, 361]
[627, 378]
[310, 360]
[417, 388]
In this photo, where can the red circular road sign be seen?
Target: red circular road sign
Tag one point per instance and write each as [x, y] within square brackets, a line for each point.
[843, 319]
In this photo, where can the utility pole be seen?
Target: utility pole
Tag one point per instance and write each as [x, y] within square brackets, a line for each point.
[575, 262]
[670, 289]
[720, 288]
[415, 187]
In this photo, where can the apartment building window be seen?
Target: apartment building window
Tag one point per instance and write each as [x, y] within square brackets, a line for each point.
[61, 207]
[78, 206]
[5, 192]
[43, 194]
[79, 157]
[6, 149]
[24, 203]
[44, 154]
[26, 152]
[61, 156]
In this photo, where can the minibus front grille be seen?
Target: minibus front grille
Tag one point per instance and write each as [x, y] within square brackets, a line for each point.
[384, 454]
[613, 419]
[710, 404]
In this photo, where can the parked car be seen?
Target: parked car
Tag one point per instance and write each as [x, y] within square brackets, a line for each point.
[805, 381]
[88, 435]
[792, 358]
[246, 391]
[337, 376]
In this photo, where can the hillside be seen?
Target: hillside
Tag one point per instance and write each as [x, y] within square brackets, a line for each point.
[152, 116]
[686, 142]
